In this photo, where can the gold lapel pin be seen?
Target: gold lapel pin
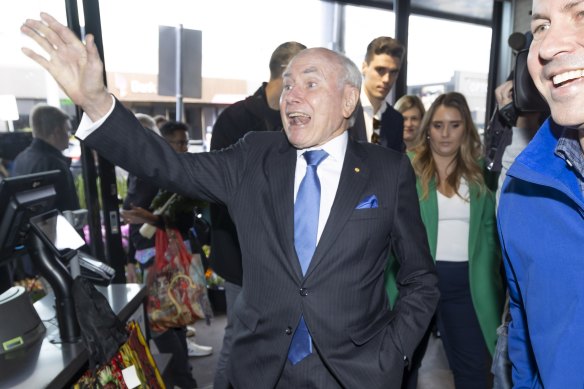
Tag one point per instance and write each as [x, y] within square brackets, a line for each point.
[357, 170]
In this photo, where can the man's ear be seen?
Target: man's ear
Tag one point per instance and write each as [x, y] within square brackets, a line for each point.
[363, 67]
[350, 99]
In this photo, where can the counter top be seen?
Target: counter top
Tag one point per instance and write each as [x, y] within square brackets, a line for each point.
[50, 364]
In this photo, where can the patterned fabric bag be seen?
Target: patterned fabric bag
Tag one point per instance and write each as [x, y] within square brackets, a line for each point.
[177, 290]
[132, 353]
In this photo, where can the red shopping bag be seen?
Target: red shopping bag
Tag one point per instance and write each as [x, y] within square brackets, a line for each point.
[177, 290]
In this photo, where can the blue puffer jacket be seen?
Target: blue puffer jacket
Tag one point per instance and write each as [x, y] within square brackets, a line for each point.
[541, 225]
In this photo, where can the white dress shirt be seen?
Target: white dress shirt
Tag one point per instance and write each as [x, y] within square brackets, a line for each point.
[87, 126]
[329, 175]
[369, 114]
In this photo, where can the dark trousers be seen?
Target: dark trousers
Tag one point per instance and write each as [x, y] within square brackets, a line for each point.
[410, 377]
[174, 341]
[459, 328]
[220, 381]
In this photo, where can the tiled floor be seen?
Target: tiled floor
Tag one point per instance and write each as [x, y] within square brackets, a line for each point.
[434, 372]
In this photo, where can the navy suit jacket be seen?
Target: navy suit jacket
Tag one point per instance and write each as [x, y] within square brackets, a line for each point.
[391, 133]
[361, 340]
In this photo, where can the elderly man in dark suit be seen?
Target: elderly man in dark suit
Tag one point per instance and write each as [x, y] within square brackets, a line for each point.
[315, 211]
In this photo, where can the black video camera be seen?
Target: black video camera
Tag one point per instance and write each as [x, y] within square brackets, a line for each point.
[526, 97]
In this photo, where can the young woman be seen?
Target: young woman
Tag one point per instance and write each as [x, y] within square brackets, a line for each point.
[412, 109]
[459, 214]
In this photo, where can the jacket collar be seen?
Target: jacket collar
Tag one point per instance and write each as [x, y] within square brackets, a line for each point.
[539, 164]
[257, 105]
[47, 148]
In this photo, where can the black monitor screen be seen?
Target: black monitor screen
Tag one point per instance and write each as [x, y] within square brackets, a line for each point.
[22, 197]
[54, 229]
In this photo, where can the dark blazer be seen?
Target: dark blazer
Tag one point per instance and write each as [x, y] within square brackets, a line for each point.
[41, 157]
[391, 133]
[361, 340]
[251, 114]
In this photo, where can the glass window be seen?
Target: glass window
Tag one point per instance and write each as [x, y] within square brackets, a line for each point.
[449, 56]
[238, 38]
[23, 83]
[362, 25]
[234, 47]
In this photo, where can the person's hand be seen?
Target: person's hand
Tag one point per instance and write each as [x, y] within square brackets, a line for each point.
[131, 277]
[504, 94]
[138, 215]
[75, 66]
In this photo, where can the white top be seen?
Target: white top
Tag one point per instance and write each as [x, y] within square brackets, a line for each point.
[329, 175]
[329, 170]
[368, 113]
[520, 139]
[453, 226]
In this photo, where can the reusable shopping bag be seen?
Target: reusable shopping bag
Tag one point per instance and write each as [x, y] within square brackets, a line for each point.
[177, 290]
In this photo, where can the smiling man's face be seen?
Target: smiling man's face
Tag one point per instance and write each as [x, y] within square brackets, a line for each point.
[315, 106]
[556, 58]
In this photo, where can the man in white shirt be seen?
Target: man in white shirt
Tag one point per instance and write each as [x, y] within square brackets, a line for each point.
[321, 323]
[379, 122]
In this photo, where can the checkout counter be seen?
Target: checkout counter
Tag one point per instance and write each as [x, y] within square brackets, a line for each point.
[49, 353]
[48, 364]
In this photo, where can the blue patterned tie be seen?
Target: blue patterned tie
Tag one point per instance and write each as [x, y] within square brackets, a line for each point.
[306, 210]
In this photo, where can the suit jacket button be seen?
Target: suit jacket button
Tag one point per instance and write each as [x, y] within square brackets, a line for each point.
[303, 292]
[289, 331]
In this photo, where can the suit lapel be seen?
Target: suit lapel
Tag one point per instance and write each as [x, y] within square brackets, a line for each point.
[354, 176]
[281, 171]
[429, 212]
[476, 210]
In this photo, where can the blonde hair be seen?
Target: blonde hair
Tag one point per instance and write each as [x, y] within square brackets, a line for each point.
[408, 102]
[466, 162]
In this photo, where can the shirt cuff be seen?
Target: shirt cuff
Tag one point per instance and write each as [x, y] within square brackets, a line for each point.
[87, 126]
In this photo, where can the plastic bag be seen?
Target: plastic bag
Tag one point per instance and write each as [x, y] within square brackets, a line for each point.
[177, 290]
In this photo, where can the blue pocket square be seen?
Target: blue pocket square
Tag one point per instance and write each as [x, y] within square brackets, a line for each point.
[368, 202]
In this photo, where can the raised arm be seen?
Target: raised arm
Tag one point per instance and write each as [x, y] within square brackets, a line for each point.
[75, 66]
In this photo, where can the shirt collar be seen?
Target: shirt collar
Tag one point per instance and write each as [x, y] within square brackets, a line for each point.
[47, 147]
[335, 147]
[570, 150]
[366, 104]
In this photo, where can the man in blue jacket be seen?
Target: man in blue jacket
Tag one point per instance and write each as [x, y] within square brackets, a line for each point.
[541, 212]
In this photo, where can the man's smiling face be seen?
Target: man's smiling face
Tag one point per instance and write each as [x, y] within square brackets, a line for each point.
[314, 105]
[556, 58]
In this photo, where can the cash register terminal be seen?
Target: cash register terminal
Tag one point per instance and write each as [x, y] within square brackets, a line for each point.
[64, 241]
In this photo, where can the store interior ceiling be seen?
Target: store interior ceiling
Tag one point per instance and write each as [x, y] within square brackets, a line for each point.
[480, 11]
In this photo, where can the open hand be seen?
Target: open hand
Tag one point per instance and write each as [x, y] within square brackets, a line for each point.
[504, 94]
[75, 66]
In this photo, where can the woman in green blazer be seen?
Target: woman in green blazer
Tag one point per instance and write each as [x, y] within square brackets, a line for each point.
[459, 214]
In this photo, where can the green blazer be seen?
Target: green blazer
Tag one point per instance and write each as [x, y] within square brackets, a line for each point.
[484, 257]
